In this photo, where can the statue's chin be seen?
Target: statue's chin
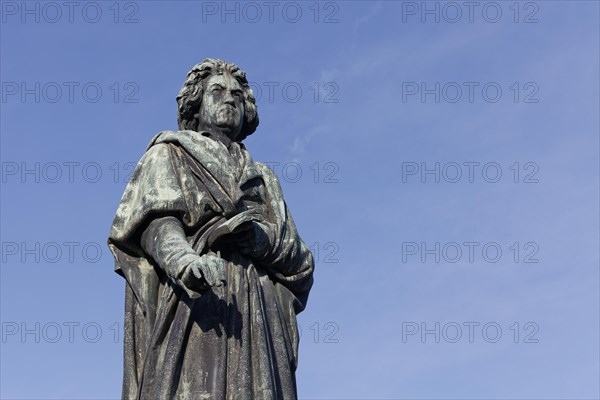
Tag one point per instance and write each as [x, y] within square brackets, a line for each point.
[227, 124]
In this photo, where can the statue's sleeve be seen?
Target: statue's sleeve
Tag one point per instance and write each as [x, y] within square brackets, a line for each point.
[160, 186]
[165, 241]
[289, 261]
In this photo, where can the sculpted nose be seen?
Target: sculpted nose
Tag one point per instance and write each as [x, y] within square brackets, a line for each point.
[229, 98]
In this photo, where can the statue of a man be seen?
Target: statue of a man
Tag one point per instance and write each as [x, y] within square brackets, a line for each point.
[216, 272]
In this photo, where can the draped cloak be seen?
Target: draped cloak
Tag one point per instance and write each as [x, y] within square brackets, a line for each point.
[239, 341]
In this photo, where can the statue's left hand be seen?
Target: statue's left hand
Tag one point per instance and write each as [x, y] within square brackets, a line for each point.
[253, 239]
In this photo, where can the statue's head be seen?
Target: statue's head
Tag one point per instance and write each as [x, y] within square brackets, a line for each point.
[217, 93]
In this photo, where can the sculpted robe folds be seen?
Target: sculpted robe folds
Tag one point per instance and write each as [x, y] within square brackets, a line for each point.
[237, 341]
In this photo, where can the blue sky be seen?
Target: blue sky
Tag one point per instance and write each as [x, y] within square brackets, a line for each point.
[353, 109]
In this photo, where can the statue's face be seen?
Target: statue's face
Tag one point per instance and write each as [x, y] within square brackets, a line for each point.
[223, 104]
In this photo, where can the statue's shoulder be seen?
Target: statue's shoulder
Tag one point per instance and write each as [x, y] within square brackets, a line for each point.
[158, 155]
[178, 138]
[156, 152]
[195, 143]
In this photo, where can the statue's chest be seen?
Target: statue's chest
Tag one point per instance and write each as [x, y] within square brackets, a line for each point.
[230, 178]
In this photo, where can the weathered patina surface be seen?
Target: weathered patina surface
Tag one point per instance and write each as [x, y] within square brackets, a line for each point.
[215, 269]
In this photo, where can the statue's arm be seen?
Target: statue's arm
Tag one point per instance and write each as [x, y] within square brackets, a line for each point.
[281, 250]
[165, 241]
[289, 259]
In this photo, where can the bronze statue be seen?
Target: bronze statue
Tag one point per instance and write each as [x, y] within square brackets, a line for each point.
[215, 270]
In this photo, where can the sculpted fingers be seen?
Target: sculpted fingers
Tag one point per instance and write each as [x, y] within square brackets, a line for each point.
[213, 270]
[204, 272]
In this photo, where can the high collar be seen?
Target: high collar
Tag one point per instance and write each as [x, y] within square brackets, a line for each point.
[217, 136]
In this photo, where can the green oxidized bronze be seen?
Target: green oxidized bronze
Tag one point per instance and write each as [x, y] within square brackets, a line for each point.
[215, 269]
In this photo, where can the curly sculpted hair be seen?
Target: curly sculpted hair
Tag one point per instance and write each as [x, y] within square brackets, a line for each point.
[190, 95]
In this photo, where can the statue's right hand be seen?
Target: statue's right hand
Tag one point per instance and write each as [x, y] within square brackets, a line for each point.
[204, 272]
